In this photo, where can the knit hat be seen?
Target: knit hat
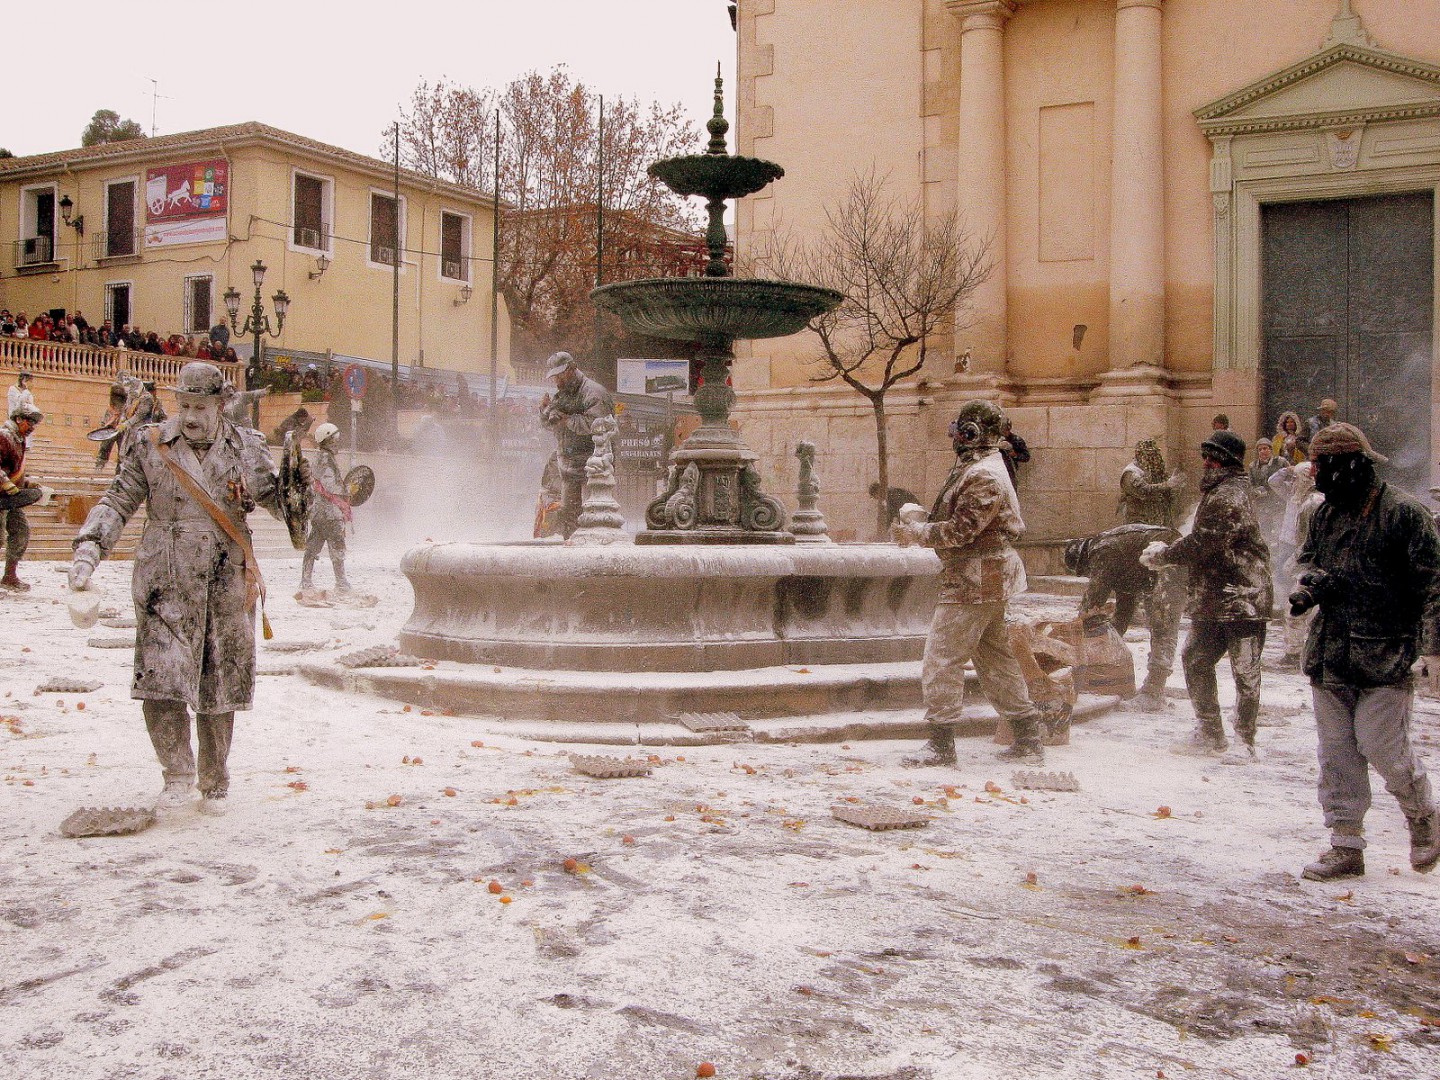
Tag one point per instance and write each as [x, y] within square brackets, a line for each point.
[1343, 438]
[1225, 445]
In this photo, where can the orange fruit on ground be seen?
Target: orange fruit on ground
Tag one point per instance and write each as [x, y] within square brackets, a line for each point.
[496, 887]
[627, 839]
[570, 866]
[705, 1069]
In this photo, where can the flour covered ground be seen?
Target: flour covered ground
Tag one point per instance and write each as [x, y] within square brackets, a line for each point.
[340, 922]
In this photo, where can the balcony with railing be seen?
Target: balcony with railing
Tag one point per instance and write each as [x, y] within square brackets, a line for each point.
[86, 361]
[119, 244]
[36, 251]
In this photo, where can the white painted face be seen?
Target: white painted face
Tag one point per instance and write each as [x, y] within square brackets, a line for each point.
[199, 418]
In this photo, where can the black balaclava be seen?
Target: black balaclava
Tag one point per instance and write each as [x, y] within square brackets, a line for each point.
[1344, 479]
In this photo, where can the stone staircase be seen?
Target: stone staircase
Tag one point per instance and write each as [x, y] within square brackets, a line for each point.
[76, 482]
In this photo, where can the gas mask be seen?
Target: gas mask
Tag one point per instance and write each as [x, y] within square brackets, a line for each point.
[965, 436]
[1344, 479]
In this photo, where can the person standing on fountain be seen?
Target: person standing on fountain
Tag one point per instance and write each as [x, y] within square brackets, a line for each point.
[973, 527]
[196, 581]
[579, 401]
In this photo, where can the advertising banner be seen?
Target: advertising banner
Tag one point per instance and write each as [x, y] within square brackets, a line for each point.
[653, 377]
[186, 204]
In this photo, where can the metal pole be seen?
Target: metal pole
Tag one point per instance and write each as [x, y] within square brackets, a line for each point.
[599, 225]
[495, 273]
[395, 303]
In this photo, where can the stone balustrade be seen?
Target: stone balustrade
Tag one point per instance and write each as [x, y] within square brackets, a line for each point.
[86, 361]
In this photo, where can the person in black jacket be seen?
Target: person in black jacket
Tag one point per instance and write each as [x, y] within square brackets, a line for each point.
[1371, 564]
[1230, 593]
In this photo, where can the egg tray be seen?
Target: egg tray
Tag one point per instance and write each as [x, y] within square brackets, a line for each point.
[878, 818]
[378, 656]
[712, 723]
[608, 768]
[119, 623]
[1030, 780]
[111, 643]
[107, 821]
[60, 685]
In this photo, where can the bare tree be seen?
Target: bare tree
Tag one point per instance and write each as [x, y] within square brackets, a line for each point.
[904, 277]
[550, 182]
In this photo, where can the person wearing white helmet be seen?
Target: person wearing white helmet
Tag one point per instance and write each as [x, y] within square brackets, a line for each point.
[329, 512]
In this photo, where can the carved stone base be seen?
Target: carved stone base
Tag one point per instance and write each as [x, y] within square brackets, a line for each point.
[713, 496]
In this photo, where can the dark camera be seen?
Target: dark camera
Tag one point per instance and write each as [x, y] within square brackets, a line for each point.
[1315, 587]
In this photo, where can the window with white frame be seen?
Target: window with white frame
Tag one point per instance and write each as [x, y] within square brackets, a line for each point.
[37, 225]
[387, 226]
[454, 246]
[199, 292]
[311, 211]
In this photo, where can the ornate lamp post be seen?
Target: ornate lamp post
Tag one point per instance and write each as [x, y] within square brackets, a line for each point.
[257, 323]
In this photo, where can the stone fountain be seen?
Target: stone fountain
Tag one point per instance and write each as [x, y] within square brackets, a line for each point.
[713, 495]
[714, 608]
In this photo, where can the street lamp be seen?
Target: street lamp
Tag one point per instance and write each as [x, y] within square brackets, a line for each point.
[258, 324]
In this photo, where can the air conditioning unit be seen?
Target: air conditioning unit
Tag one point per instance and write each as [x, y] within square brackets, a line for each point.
[385, 255]
[452, 270]
[311, 238]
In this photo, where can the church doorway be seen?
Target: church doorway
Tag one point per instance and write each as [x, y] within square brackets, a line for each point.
[1347, 312]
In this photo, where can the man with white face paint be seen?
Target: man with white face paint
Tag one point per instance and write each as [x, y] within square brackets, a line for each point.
[195, 581]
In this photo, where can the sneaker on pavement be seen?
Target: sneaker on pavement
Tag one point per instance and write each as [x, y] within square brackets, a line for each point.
[175, 797]
[1338, 862]
[1203, 743]
[1425, 842]
[1148, 701]
[214, 805]
[1022, 754]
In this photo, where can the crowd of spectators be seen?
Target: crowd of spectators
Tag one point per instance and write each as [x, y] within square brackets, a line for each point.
[77, 330]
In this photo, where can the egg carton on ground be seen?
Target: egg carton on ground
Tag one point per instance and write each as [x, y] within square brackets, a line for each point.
[878, 818]
[107, 821]
[608, 768]
[715, 723]
[1031, 780]
[61, 685]
[378, 656]
[295, 646]
[119, 623]
[111, 643]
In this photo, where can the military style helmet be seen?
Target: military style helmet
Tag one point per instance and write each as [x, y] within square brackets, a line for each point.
[982, 421]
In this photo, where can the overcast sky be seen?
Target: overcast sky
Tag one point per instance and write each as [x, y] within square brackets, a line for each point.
[339, 71]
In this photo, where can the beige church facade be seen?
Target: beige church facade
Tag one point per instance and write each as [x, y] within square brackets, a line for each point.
[1192, 206]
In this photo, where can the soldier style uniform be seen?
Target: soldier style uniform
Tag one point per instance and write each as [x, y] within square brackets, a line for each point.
[1230, 592]
[329, 512]
[13, 486]
[972, 528]
[194, 587]
[579, 401]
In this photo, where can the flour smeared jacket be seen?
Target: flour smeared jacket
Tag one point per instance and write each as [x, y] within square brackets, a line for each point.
[570, 415]
[1383, 609]
[1228, 559]
[194, 623]
[973, 527]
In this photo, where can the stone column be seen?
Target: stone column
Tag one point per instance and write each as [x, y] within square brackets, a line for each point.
[1137, 191]
[982, 172]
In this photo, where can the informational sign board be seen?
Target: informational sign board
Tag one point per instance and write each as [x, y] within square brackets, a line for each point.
[355, 380]
[639, 448]
[655, 378]
[187, 204]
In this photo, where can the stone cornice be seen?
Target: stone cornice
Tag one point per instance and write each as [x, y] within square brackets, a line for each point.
[1212, 117]
[1340, 118]
[1121, 5]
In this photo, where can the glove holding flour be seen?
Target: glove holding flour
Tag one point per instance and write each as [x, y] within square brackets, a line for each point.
[1154, 551]
[909, 525]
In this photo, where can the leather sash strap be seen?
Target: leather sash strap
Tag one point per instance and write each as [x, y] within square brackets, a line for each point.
[254, 583]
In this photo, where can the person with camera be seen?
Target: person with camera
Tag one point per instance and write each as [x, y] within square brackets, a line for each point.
[1230, 593]
[1371, 565]
[973, 527]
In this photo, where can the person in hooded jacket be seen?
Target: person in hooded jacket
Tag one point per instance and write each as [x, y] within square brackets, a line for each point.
[1230, 593]
[1371, 563]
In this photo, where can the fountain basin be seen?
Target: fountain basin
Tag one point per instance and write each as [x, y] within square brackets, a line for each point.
[624, 608]
[701, 309]
[716, 176]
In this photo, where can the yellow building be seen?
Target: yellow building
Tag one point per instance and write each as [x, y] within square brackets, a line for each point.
[153, 232]
[1193, 206]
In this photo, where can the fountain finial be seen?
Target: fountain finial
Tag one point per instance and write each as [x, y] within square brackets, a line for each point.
[717, 124]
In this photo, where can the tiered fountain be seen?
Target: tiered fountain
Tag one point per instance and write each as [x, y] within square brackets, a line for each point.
[715, 607]
[713, 495]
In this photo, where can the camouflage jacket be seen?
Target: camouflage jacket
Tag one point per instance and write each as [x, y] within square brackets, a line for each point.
[973, 528]
[1383, 608]
[569, 416]
[1228, 560]
[1143, 502]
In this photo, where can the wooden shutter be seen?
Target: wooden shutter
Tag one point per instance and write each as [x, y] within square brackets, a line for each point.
[120, 219]
[384, 229]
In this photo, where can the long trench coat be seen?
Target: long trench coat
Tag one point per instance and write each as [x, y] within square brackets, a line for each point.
[194, 621]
